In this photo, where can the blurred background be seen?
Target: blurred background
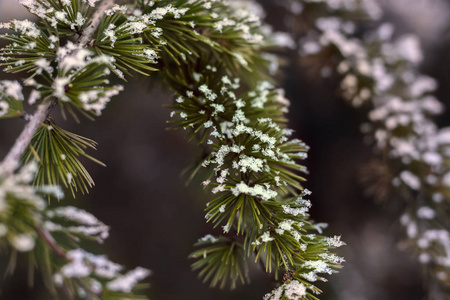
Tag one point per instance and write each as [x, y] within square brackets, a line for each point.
[155, 217]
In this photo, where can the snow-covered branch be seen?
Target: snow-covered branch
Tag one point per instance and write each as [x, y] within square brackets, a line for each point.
[12, 159]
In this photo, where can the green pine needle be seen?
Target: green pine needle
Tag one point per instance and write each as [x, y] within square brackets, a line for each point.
[58, 152]
[220, 261]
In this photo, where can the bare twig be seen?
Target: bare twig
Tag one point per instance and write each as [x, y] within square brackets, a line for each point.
[12, 159]
[48, 239]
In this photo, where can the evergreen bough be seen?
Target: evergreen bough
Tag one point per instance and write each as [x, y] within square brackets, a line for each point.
[215, 57]
[379, 72]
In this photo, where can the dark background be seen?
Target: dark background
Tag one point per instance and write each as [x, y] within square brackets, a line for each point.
[155, 217]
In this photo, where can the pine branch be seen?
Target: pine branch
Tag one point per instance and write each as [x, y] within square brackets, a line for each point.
[380, 70]
[239, 118]
[48, 239]
[87, 35]
[12, 159]
[53, 238]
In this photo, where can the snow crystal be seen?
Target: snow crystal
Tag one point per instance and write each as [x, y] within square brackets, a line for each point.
[408, 47]
[426, 212]
[208, 238]
[23, 242]
[4, 108]
[256, 191]
[265, 237]
[410, 179]
[334, 241]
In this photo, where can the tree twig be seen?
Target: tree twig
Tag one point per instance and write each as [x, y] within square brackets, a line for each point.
[12, 159]
[48, 239]
[86, 37]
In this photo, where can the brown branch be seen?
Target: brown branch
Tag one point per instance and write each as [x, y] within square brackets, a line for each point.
[48, 239]
[12, 159]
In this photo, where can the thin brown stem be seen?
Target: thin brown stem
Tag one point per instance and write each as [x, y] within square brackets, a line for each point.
[48, 239]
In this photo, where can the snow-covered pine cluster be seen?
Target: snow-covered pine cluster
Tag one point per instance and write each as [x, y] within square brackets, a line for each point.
[380, 74]
[214, 56]
[51, 237]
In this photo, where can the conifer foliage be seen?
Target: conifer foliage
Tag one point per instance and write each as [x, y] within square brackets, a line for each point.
[214, 56]
[379, 72]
